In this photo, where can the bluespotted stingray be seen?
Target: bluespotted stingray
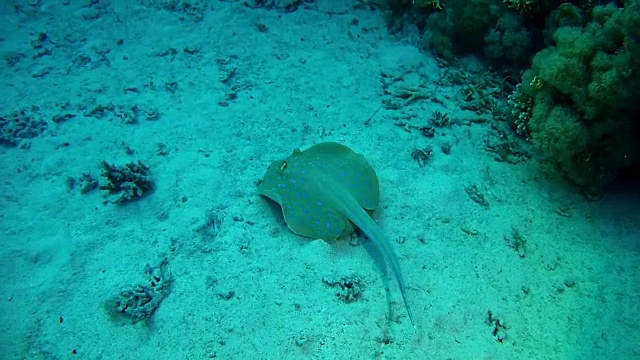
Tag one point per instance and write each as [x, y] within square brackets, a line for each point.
[325, 192]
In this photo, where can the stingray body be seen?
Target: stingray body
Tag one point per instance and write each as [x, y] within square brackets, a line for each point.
[324, 192]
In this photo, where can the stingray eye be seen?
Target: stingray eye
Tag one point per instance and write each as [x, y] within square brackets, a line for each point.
[284, 166]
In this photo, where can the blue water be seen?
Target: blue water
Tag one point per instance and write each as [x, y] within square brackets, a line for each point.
[186, 261]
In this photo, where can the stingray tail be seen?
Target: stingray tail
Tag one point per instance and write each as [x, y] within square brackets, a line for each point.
[369, 227]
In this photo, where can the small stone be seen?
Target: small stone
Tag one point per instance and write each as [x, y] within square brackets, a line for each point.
[301, 340]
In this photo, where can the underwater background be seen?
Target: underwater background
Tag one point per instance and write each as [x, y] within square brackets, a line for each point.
[504, 136]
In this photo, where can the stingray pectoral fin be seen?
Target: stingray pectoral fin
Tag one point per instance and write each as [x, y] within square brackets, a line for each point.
[270, 194]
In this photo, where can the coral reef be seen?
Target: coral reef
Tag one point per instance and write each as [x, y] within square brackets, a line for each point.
[483, 27]
[578, 101]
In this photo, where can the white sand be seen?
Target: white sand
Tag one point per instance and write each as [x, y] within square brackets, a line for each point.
[303, 81]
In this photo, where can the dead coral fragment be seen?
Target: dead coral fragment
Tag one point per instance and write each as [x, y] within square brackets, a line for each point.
[126, 183]
[348, 289]
[422, 156]
[475, 195]
[141, 301]
[20, 125]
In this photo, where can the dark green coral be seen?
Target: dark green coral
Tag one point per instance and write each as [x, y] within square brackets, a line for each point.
[584, 89]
